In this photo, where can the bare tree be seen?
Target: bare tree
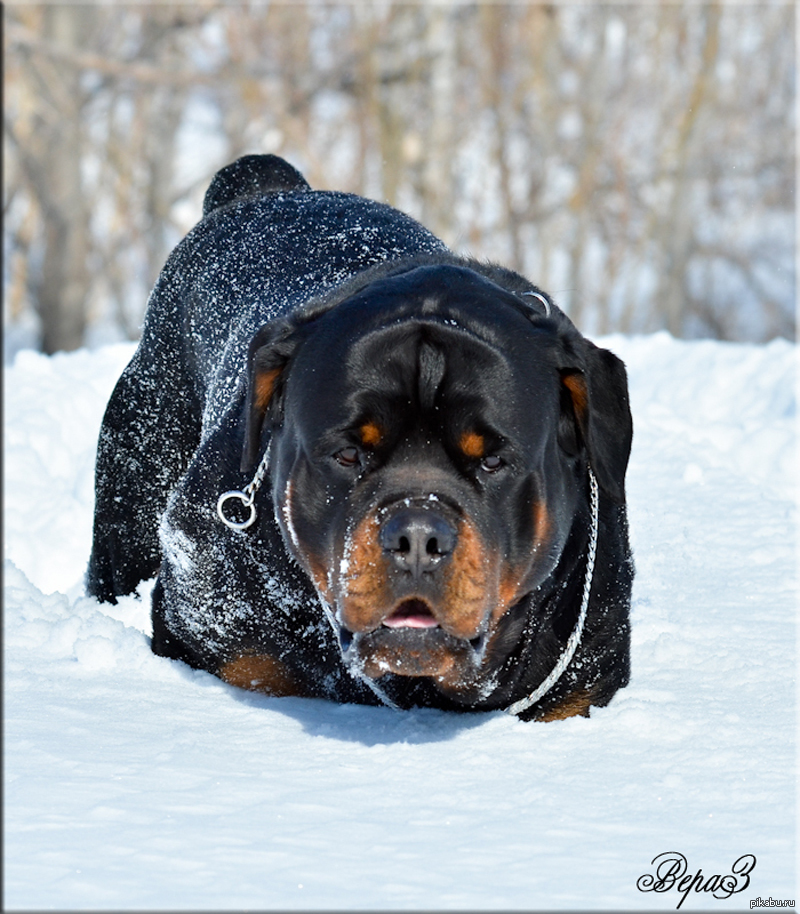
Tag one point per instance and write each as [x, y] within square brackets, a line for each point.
[51, 149]
[637, 160]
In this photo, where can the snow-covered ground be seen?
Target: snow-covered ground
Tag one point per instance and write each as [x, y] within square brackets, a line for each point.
[134, 782]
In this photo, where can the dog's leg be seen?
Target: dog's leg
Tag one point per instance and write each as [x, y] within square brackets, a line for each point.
[149, 432]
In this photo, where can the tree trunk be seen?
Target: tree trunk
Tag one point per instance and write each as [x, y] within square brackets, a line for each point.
[64, 285]
[678, 230]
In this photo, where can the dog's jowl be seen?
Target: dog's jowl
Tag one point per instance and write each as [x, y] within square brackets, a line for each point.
[364, 468]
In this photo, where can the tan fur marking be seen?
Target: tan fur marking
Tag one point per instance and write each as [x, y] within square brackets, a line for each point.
[541, 524]
[508, 594]
[261, 673]
[513, 580]
[265, 385]
[320, 579]
[312, 564]
[371, 434]
[467, 590]
[576, 704]
[576, 385]
[365, 583]
[472, 444]
[438, 663]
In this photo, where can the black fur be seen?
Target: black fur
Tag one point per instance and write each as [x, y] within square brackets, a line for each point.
[388, 377]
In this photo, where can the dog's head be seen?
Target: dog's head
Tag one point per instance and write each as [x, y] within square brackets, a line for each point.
[429, 437]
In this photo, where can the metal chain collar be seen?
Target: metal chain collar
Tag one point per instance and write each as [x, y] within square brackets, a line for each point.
[572, 644]
[246, 496]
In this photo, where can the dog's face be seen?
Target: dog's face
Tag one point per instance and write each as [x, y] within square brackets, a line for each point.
[426, 435]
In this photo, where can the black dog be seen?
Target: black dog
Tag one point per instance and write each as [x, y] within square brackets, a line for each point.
[364, 468]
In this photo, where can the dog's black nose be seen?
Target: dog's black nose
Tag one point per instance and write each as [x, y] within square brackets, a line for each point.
[418, 540]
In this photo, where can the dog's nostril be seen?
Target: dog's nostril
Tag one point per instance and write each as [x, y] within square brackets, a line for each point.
[431, 547]
[417, 539]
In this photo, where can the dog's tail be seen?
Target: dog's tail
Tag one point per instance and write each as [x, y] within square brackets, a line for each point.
[251, 176]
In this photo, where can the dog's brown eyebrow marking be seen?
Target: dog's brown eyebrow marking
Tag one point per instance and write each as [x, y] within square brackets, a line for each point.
[472, 444]
[371, 434]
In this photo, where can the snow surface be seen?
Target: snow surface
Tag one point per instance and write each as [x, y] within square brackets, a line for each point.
[132, 781]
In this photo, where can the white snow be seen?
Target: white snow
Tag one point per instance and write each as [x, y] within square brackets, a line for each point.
[132, 782]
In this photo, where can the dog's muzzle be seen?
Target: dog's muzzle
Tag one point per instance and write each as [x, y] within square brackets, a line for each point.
[416, 540]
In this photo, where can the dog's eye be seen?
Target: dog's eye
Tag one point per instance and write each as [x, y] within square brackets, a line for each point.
[491, 464]
[347, 457]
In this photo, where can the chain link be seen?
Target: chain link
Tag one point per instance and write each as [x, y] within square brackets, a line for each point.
[246, 496]
[572, 644]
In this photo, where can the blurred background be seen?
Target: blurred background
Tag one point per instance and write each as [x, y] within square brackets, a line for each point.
[635, 160]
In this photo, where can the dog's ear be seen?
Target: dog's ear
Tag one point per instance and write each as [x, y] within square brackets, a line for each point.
[597, 397]
[270, 351]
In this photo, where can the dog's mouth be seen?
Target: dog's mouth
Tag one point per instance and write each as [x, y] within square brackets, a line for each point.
[413, 613]
[411, 642]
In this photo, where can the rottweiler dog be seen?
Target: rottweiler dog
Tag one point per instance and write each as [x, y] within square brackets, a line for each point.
[364, 468]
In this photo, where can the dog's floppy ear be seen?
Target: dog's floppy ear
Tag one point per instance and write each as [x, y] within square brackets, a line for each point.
[270, 351]
[598, 395]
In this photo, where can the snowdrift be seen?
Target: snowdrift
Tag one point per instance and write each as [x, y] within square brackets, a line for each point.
[134, 782]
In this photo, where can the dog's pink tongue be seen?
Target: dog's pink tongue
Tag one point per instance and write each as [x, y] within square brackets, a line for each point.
[411, 622]
[411, 614]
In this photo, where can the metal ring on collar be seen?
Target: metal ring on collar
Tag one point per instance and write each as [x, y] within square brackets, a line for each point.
[542, 299]
[247, 502]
